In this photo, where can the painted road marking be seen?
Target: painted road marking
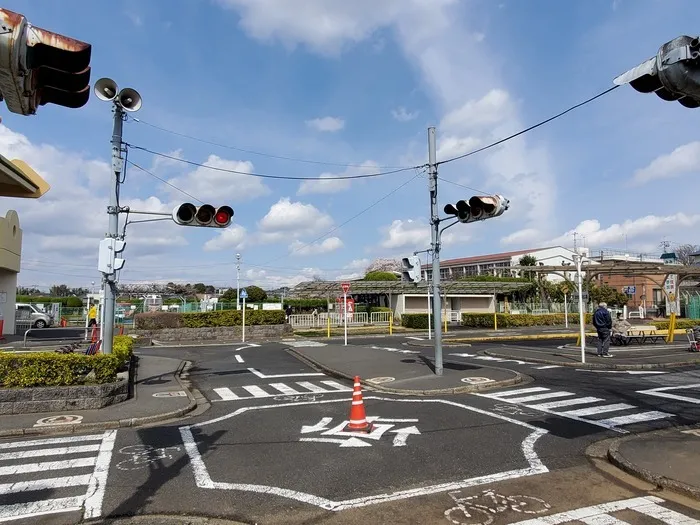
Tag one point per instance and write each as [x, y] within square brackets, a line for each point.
[263, 376]
[301, 344]
[379, 427]
[239, 359]
[630, 372]
[663, 392]
[602, 514]
[203, 478]
[92, 481]
[58, 420]
[258, 392]
[613, 423]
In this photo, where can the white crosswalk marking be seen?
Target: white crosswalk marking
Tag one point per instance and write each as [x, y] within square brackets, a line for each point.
[85, 458]
[276, 389]
[533, 397]
[603, 514]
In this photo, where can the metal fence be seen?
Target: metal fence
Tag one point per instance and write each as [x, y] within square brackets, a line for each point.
[539, 308]
[321, 320]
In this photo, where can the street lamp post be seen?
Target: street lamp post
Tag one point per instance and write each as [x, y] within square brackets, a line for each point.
[238, 280]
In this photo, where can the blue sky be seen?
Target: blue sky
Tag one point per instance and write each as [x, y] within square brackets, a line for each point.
[357, 83]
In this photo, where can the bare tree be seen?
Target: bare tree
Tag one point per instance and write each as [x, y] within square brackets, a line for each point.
[384, 265]
[684, 252]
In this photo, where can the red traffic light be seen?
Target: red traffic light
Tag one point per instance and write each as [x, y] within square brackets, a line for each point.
[223, 216]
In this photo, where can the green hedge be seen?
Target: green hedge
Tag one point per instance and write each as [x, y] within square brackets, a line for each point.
[123, 347]
[517, 320]
[53, 369]
[681, 324]
[68, 302]
[419, 321]
[160, 320]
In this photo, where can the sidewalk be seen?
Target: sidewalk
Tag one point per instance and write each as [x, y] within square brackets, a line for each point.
[155, 375]
[403, 371]
[624, 357]
[665, 458]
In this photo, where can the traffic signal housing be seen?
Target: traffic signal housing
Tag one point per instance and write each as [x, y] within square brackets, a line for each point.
[478, 208]
[39, 67]
[107, 260]
[673, 74]
[411, 270]
[206, 215]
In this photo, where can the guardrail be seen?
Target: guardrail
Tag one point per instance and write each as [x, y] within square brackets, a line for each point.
[73, 328]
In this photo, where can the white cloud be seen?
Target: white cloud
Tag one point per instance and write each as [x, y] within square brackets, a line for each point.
[330, 183]
[527, 235]
[490, 110]
[649, 226]
[219, 187]
[232, 238]
[681, 161]
[328, 245]
[412, 234]
[330, 124]
[287, 219]
[403, 115]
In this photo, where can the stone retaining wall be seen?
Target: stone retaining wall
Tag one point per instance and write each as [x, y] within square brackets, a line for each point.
[218, 333]
[60, 398]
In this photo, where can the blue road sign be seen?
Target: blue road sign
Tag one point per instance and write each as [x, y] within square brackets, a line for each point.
[244, 294]
[629, 290]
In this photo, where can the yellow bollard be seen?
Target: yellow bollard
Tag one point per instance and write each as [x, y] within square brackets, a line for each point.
[495, 321]
[671, 328]
[328, 327]
[391, 324]
[445, 324]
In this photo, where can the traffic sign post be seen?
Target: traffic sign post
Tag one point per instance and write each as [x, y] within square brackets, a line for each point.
[346, 289]
[244, 296]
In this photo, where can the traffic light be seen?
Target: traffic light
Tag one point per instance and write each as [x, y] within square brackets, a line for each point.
[39, 67]
[206, 215]
[673, 74]
[411, 270]
[107, 261]
[478, 208]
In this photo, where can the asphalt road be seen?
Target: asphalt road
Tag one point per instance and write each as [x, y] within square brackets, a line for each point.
[271, 449]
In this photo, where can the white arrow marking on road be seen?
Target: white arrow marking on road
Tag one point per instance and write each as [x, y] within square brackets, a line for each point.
[631, 372]
[351, 442]
[321, 425]
[249, 345]
[402, 435]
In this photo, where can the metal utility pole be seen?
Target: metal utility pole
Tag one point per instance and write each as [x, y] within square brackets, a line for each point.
[110, 285]
[238, 280]
[435, 246]
[581, 313]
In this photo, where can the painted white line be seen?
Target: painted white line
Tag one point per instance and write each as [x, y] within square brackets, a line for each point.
[98, 479]
[226, 394]
[40, 508]
[263, 376]
[662, 392]
[630, 372]
[337, 386]
[44, 484]
[321, 425]
[506, 393]
[47, 465]
[414, 338]
[647, 505]
[203, 479]
[239, 359]
[281, 387]
[592, 411]
[311, 387]
[352, 442]
[546, 367]
[256, 391]
[249, 345]
[568, 402]
[539, 397]
[639, 417]
[50, 441]
[602, 519]
[56, 451]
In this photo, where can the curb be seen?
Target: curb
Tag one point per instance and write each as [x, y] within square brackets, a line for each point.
[492, 338]
[466, 389]
[115, 423]
[661, 482]
[445, 343]
[600, 366]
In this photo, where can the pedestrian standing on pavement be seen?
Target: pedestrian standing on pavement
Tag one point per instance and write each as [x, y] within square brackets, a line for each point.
[603, 325]
[92, 316]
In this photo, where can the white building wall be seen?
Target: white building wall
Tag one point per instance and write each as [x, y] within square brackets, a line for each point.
[8, 297]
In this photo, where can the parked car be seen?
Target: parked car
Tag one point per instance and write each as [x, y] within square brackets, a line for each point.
[38, 318]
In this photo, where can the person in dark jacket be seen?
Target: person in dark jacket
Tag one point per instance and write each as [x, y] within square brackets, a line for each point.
[602, 320]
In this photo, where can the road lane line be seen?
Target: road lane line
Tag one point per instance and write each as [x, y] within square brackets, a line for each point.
[256, 391]
[57, 451]
[50, 441]
[239, 359]
[591, 411]
[337, 386]
[47, 465]
[652, 415]
[499, 395]
[568, 402]
[98, 479]
[226, 393]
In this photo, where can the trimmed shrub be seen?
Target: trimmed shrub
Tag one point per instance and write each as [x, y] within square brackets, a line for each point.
[123, 347]
[53, 369]
[419, 321]
[517, 320]
[161, 320]
[681, 324]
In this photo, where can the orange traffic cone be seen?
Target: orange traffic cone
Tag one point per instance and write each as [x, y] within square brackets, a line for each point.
[95, 334]
[358, 419]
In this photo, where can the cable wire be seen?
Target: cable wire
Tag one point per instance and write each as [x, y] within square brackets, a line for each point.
[278, 177]
[542, 123]
[165, 182]
[463, 186]
[252, 152]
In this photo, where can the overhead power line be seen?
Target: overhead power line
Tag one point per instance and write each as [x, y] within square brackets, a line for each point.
[165, 181]
[267, 176]
[259, 153]
[542, 123]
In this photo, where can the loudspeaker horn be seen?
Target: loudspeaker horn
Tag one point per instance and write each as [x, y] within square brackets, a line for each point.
[106, 89]
[130, 99]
